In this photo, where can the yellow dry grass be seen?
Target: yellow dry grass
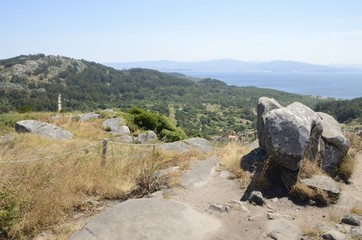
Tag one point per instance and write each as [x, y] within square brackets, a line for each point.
[307, 170]
[230, 157]
[357, 210]
[312, 233]
[46, 194]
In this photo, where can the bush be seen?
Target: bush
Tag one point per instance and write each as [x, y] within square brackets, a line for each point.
[159, 123]
[172, 136]
[25, 109]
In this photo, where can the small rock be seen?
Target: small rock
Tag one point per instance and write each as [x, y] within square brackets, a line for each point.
[55, 117]
[236, 205]
[88, 116]
[272, 216]
[225, 174]
[325, 183]
[351, 219]
[149, 136]
[333, 235]
[256, 197]
[220, 207]
[113, 125]
[282, 229]
[244, 209]
[356, 233]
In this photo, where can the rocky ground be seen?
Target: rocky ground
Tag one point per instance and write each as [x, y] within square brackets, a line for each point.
[207, 206]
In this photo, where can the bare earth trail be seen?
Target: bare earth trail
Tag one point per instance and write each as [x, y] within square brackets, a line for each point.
[188, 212]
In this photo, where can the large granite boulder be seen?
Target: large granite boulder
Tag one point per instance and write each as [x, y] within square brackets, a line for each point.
[290, 134]
[293, 133]
[42, 128]
[335, 144]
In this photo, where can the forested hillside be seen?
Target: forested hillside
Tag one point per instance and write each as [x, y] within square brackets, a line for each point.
[205, 107]
[343, 110]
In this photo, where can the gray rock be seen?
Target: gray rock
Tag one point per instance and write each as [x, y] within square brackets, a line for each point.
[88, 116]
[222, 208]
[333, 235]
[257, 198]
[265, 105]
[351, 219]
[42, 128]
[149, 136]
[282, 229]
[151, 218]
[225, 174]
[123, 130]
[335, 145]
[272, 216]
[322, 182]
[114, 125]
[55, 117]
[292, 134]
[124, 139]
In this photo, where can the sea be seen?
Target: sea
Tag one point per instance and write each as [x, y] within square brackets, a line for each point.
[339, 85]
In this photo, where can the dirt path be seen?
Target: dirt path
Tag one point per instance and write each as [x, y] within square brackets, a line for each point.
[211, 200]
[251, 222]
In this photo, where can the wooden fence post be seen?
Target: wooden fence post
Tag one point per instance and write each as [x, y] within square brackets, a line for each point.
[104, 151]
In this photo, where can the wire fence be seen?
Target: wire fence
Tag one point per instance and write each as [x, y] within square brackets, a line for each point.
[52, 157]
[105, 142]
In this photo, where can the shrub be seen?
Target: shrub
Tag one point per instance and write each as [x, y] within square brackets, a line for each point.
[172, 136]
[159, 123]
[25, 109]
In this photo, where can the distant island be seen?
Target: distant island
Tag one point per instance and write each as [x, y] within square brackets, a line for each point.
[236, 65]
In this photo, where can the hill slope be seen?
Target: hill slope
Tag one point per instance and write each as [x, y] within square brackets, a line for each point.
[205, 106]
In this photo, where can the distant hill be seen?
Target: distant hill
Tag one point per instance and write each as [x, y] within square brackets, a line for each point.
[234, 65]
[200, 106]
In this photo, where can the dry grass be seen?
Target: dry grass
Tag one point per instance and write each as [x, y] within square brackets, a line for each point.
[45, 195]
[303, 192]
[261, 176]
[346, 167]
[312, 233]
[357, 210]
[230, 157]
[309, 169]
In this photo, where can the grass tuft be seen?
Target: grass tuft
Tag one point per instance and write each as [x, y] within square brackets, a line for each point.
[312, 233]
[357, 210]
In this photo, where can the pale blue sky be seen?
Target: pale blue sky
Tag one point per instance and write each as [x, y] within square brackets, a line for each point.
[315, 31]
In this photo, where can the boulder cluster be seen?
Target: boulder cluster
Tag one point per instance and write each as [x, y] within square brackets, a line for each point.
[294, 133]
[300, 151]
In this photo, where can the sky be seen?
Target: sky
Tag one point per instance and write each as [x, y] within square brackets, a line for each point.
[313, 31]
